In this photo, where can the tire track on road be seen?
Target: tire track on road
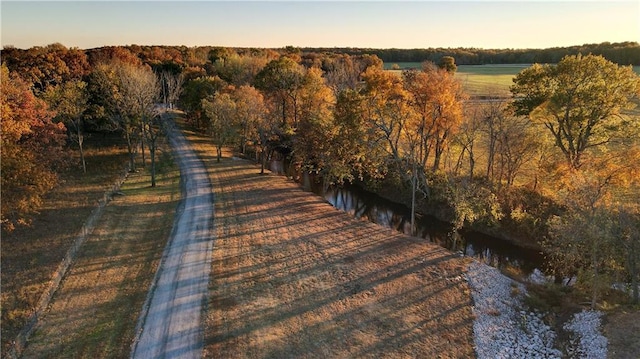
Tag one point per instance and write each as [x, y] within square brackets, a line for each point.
[170, 325]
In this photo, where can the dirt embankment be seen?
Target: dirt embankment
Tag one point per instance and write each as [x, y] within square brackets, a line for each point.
[294, 277]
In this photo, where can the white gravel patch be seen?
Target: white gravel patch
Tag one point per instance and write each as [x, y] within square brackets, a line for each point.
[586, 341]
[501, 328]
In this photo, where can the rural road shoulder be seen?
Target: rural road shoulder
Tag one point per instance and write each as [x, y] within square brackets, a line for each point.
[170, 323]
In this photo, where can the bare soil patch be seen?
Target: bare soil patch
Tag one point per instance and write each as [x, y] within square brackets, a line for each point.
[292, 277]
[622, 329]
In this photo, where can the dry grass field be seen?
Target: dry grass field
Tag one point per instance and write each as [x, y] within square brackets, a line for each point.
[94, 312]
[292, 277]
[31, 254]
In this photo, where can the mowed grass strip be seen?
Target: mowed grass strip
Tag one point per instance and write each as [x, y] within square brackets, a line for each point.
[488, 80]
[480, 81]
[31, 254]
[292, 277]
[95, 311]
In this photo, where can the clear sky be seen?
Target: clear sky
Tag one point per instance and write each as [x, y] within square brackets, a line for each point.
[374, 24]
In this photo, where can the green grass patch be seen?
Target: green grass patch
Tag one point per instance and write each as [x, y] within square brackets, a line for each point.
[488, 80]
[480, 81]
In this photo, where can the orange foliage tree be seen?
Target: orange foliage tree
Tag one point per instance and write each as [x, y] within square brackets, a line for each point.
[437, 98]
[32, 150]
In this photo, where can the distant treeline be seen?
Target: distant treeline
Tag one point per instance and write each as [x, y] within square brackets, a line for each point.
[623, 53]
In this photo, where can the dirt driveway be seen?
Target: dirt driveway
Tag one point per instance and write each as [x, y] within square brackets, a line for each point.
[292, 277]
[170, 326]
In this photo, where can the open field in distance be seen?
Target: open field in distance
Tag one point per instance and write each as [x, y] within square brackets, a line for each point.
[481, 80]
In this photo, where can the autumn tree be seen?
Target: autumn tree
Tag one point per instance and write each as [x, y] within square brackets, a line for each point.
[250, 112]
[108, 54]
[268, 129]
[517, 144]
[587, 237]
[32, 148]
[140, 90]
[436, 96]
[578, 100]
[510, 141]
[466, 139]
[70, 102]
[314, 120]
[492, 113]
[355, 149]
[389, 111]
[628, 235]
[448, 63]
[239, 70]
[154, 127]
[581, 238]
[219, 54]
[194, 92]
[46, 66]
[386, 109]
[343, 72]
[128, 95]
[223, 125]
[171, 85]
[281, 80]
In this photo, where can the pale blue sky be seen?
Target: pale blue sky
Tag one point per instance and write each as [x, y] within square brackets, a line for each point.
[378, 24]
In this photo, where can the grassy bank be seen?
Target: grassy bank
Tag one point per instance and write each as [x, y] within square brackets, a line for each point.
[94, 312]
[294, 277]
[30, 254]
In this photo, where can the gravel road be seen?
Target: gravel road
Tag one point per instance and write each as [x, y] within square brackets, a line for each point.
[170, 323]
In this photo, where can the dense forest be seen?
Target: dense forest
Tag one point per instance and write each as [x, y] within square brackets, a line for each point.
[557, 166]
[625, 53]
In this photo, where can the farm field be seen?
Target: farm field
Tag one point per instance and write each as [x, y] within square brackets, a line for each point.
[481, 81]
[488, 80]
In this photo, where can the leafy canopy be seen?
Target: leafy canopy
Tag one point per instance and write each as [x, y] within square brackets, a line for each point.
[578, 100]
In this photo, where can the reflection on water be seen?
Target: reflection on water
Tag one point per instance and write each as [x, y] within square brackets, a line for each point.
[490, 250]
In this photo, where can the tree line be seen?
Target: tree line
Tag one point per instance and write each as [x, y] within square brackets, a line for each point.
[623, 53]
[53, 97]
[558, 159]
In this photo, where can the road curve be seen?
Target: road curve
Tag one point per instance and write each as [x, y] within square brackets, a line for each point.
[170, 323]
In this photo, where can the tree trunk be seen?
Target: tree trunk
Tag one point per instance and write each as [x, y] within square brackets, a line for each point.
[472, 163]
[152, 154]
[142, 133]
[436, 160]
[633, 271]
[594, 283]
[413, 199]
[284, 112]
[80, 143]
[132, 163]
